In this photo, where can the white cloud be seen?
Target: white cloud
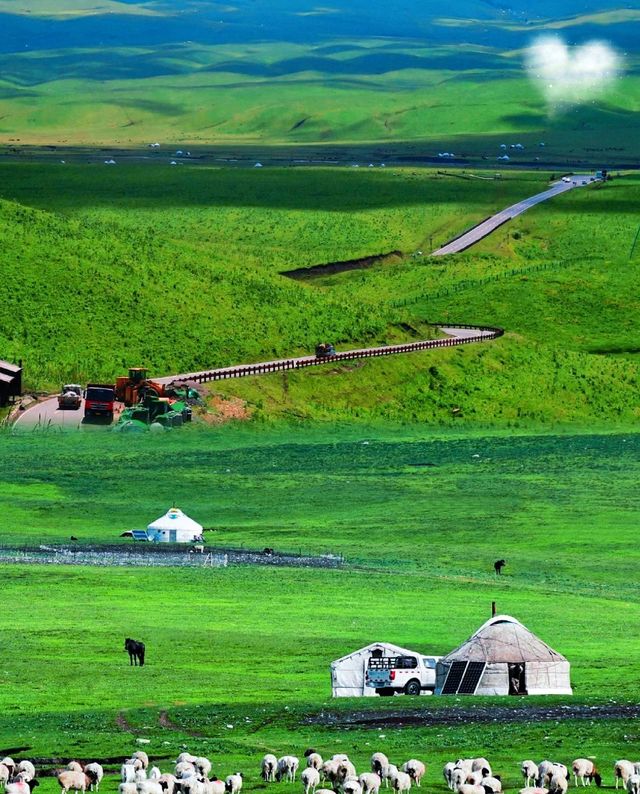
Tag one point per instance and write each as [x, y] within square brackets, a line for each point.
[569, 76]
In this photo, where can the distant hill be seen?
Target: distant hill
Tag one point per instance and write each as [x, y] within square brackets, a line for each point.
[109, 71]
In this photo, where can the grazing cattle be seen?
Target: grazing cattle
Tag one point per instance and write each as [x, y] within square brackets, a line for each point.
[135, 650]
[498, 565]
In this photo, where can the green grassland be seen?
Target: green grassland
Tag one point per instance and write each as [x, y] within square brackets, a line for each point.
[178, 269]
[238, 657]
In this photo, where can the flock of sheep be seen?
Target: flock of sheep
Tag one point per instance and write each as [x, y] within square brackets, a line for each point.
[192, 775]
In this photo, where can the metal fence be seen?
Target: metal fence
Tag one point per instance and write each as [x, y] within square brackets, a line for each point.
[485, 334]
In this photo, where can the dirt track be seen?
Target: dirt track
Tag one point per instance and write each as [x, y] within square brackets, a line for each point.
[477, 713]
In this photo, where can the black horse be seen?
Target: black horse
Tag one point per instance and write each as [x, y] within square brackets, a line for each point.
[498, 565]
[136, 651]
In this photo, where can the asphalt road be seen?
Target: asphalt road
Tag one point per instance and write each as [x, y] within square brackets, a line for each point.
[46, 414]
[485, 228]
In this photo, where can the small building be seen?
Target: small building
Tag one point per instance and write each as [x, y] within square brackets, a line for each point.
[174, 527]
[348, 673]
[503, 658]
[10, 382]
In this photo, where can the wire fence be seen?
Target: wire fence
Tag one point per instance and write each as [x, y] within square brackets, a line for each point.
[149, 556]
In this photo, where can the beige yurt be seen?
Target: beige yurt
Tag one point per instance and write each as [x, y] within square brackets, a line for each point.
[174, 527]
[503, 658]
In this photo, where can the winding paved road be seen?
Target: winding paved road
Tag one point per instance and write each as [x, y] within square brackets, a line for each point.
[47, 414]
[485, 228]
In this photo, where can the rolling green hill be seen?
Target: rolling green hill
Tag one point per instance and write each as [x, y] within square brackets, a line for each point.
[179, 269]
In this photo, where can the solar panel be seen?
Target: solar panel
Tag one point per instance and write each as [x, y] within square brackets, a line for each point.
[471, 678]
[454, 677]
[139, 534]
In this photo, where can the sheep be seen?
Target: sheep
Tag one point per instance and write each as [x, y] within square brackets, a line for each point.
[190, 759]
[529, 771]
[21, 787]
[474, 778]
[268, 767]
[233, 783]
[546, 769]
[70, 779]
[468, 788]
[310, 778]
[75, 766]
[352, 786]
[586, 771]
[287, 768]
[95, 773]
[26, 768]
[127, 788]
[558, 784]
[447, 771]
[329, 771]
[314, 760]
[140, 755]
[127, 773]
[402, 782]
[370, 782]
[148, 787]
[390, 774]
[324, 791]
[533, 790]
[167, 783]
[340, 757]
[346, 770]
[379, 764]
[203, 765]
[155, 774]
[215, 786]
[188, 785]
[465, 763]
[633, 784]
[491, 784]
[10, 764]
[636, 768]
[482, 765]
[4, 774]
[184, 769]
[458, 778]
[623, 771]
[140, 776]
[415, 769]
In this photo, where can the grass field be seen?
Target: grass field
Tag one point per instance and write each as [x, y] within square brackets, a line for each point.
[238, 657]
[182, 267]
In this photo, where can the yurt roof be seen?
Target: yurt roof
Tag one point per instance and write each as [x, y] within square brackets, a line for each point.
[175, 519]
[504, 639]
[374, 646]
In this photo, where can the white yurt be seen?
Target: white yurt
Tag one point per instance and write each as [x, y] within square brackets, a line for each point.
[174, 527]
[348, 672]
[503, 658]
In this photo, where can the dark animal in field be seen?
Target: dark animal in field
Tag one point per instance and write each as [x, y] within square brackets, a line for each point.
[73, 537]
[309, 752]
[135, 650]
[268, 551]
[498, 565]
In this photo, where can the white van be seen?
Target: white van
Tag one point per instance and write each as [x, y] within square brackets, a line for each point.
[408, 675]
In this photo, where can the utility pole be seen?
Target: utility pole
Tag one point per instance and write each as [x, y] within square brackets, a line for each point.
[635, 242]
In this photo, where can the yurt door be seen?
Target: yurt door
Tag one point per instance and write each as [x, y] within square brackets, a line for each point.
[173, 535]
[517, 679]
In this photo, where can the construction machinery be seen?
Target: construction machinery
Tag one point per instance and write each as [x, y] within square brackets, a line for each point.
[70, 397]
[133, 389]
